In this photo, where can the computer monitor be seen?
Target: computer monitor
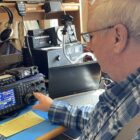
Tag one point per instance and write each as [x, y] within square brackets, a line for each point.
[72, 79]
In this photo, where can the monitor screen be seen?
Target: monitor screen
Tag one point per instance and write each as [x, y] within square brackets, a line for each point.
[74, 78]
[7, 99]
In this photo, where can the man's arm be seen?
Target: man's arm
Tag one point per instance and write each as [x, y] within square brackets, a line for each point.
[68, 115]
[63, 113]
[137, 135]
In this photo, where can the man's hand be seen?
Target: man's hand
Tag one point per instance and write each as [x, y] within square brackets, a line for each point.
[45, 102]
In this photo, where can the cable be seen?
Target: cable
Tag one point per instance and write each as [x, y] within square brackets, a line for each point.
[80, 57]
[63, 8]
[28, 45]
[107, 81]
[72, 34]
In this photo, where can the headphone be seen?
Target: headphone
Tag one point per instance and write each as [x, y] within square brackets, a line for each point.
[8, 31]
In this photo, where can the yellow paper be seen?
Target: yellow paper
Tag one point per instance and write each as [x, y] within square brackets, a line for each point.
[20, 123]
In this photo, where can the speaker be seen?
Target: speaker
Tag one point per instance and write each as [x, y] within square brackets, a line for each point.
[8, 31]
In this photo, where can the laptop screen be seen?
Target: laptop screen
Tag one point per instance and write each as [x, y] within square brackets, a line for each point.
[72, 79]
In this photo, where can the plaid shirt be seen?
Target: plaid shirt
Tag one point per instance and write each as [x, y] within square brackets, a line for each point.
[116, 106]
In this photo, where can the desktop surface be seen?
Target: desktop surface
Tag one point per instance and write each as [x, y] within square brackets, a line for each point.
[40, 130]
[33, 132]
[83, 98]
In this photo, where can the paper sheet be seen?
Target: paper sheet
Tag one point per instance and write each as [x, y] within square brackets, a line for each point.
[20, 123]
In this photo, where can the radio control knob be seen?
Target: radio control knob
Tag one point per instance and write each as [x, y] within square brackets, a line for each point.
[37, 83]
[29, 98]
[32, 84]
[36, 90]
[41, 81]
[42, 88]
[58, 58]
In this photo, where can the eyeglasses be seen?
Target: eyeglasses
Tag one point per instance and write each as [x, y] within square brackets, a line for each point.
[87, 36]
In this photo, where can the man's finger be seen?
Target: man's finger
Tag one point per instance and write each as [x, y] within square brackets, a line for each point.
[36, 107]
[38, 96]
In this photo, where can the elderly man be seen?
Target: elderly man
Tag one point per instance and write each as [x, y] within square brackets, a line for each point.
[114, 37]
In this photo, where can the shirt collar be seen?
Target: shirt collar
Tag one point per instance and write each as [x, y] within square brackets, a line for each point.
[117, 91]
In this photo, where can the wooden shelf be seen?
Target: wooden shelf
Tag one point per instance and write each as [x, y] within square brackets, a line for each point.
[35, 11]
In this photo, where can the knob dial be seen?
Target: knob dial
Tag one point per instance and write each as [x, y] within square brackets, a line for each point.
[29, 98]
[58, 58]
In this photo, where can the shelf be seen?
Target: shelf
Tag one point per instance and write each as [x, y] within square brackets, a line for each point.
[35, 11]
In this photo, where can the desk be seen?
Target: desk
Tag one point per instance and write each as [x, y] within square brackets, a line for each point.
[46, 130]
[43, 131]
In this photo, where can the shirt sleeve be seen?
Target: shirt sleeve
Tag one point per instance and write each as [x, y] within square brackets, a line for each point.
[70, 116]
[137, 135]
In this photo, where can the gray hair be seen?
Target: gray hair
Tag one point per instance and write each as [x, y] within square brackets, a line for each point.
[112, 12]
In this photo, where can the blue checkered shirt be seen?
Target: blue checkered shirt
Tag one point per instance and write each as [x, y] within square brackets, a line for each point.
[116, 106]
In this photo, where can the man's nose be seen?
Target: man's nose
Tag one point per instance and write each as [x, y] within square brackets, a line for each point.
[88, 48]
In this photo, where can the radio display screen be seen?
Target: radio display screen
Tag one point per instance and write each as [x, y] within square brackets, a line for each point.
[7, 99]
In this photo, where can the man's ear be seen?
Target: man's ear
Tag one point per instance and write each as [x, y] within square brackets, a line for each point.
[121, 36]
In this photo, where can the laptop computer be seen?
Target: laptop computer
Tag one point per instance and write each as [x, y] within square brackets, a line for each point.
[76, 83]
